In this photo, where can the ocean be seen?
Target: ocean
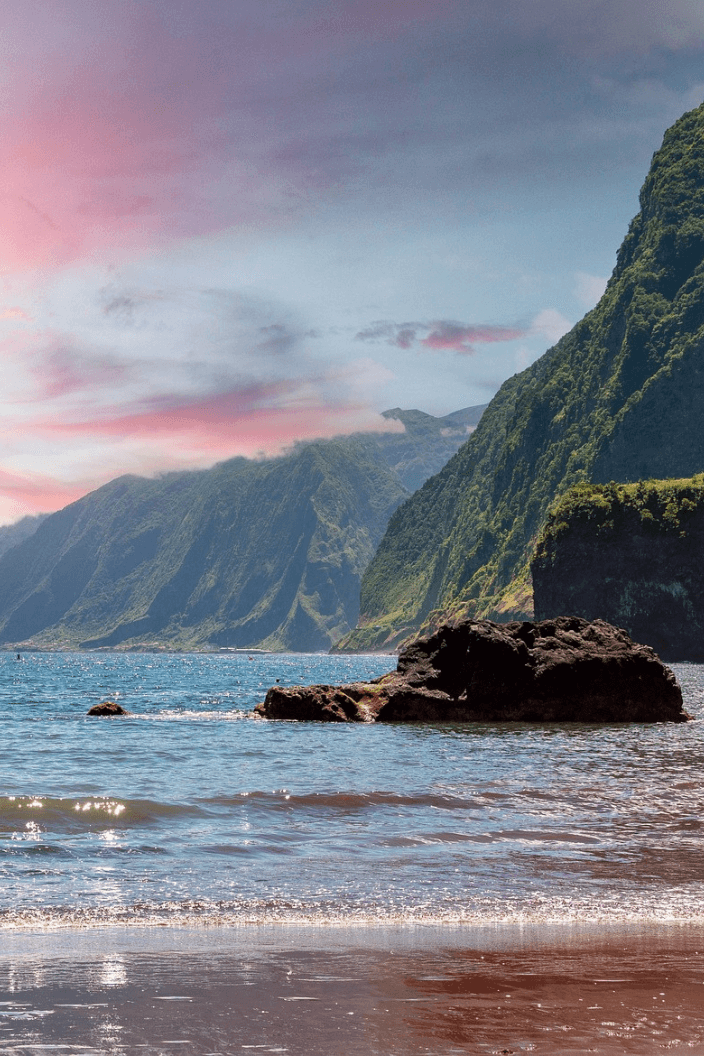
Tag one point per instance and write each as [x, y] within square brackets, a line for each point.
[192, 817]
[193, 810]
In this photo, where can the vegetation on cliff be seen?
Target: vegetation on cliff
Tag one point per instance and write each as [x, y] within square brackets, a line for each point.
[619, 397]
[661, 507]
[631, 554]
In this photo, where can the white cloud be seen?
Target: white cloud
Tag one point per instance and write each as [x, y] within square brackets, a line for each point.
[550, 324]
[589, 288]
[524, 357]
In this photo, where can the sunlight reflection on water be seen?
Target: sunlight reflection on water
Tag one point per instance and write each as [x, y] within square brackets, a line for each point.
[209, 814]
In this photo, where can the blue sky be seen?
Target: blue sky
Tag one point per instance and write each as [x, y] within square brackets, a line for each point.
[232, 225]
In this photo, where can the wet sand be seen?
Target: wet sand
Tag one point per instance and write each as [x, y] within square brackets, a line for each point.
[323, 991]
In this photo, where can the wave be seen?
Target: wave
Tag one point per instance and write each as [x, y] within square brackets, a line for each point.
[191, 715]
[351, 801]
[680, 908]
[78, 813]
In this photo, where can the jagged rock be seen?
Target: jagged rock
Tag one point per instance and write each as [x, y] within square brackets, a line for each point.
[107, 708]
[562, 670]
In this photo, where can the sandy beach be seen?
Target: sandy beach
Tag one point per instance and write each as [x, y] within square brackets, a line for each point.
[359, 990]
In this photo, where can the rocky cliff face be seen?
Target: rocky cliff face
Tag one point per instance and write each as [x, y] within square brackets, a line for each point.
[632, 555]
[619, 397]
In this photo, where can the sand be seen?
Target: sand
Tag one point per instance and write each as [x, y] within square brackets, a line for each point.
[332, 990]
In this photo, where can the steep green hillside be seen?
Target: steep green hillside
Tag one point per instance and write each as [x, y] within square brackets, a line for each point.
[619, 397]
[630, 554]
[247, 554]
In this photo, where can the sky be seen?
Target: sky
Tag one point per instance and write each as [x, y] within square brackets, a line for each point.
[228, 225]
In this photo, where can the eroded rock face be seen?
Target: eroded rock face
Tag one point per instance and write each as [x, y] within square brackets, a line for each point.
[630, 554]
[562, 670]
[108, 708]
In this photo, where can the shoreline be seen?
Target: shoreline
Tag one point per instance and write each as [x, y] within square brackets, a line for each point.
[387, 989]
[285, 916]
[487, 934]
[339, 929]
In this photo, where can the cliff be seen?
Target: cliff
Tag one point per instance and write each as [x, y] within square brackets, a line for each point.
[630, 554]
[619, 397]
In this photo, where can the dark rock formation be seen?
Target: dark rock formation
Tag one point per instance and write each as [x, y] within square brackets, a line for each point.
[108, 708]
[561, 670]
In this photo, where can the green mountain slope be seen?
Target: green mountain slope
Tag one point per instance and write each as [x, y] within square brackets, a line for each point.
[247, 554]
[619, 397]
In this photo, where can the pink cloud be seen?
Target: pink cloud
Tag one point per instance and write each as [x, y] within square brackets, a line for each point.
[460, 338]
[175, 433]
[441, 335]
[112, 147]
[63, 371]
[35, 493]
[263, 417]
[149, 123]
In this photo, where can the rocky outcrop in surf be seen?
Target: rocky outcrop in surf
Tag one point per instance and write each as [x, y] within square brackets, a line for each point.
[108, 709]
[562, 670]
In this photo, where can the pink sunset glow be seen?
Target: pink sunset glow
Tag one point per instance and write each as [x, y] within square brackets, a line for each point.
[442, 335]
[206, 206]
[146, 129]
[252, 422]
[37, 493]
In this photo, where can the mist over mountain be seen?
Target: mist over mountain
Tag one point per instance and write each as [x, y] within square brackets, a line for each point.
[12, 534]
[618, 398]
[264, 554]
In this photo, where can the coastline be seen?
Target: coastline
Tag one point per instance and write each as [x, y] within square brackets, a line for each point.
[386, 989]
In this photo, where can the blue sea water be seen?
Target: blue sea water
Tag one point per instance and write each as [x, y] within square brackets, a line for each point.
[193, 811]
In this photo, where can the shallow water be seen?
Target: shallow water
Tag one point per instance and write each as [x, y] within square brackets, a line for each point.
[362, 991]
[193, 811]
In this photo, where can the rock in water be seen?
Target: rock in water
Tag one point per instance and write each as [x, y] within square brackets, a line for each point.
[107, 708]
[562, 670]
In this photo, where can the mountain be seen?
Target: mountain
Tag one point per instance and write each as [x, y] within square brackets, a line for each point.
[12, 534]
[630, 554]
[619, 397]
[264, 554]
[425, 444]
